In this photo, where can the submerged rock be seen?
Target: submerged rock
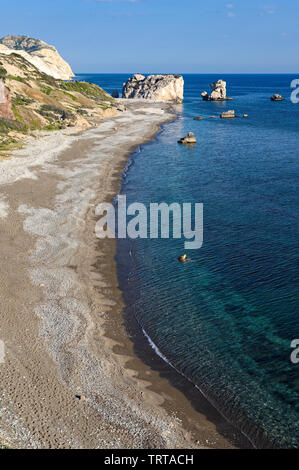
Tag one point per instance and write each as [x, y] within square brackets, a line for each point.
[228, 114]
[155, 88]
[189, 139]
[276, 98]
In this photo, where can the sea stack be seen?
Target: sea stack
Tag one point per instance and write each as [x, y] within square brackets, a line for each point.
[218, 92]
[155, 88]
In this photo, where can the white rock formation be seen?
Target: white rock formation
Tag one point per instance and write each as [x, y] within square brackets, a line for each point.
[43, 56]
[228, 114]
[155, 87]
[218, 92]
[188, 139]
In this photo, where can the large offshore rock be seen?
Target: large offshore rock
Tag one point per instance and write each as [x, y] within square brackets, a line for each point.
[218, 92]
[43, 56]
[155, 87]
[5, 103]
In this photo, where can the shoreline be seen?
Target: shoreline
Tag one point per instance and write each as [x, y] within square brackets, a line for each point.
[62, 309]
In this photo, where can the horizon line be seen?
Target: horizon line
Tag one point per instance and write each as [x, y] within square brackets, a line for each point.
[187, 73]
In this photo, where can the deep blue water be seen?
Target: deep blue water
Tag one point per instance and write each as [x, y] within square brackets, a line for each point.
[225, 319]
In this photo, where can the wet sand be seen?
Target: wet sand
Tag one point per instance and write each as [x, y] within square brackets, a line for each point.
[61, 309]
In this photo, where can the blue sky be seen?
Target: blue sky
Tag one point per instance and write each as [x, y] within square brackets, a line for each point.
[178, 36]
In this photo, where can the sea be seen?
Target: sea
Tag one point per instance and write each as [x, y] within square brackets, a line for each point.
[227, 317]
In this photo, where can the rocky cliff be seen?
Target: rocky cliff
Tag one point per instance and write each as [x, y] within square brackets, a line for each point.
[43, 56]
[155, 87]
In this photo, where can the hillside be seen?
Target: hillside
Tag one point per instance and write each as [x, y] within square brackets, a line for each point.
[35, 101]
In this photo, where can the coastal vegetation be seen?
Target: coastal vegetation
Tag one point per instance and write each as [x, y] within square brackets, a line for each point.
[36, 101]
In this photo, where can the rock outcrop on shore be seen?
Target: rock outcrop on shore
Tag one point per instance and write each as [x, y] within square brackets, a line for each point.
[218, 92]
[5, 103]
[42, 55]
[155, 88]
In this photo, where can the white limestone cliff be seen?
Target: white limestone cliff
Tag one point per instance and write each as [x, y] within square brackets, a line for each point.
[42, 55]
[155, 88]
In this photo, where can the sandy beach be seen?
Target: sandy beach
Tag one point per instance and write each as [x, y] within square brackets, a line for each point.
[61, 309]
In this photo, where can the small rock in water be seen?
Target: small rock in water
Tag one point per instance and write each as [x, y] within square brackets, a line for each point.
[245, 115]
[276, 97]
[228, 114]
[189, 139]
[197, 118]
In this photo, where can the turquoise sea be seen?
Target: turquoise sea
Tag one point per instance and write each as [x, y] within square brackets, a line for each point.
[225, 319]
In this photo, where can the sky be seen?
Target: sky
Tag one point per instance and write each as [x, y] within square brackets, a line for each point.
[163, 36]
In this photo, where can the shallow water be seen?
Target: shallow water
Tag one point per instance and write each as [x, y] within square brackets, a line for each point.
[226, 318]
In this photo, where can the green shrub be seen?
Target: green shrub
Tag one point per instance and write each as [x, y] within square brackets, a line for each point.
[3, 73]
[7, 125]
[53, 112]
[88, 89]
[74, 98]
[18, 79]
[45, 89]
[83, 112]
[21, 100]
